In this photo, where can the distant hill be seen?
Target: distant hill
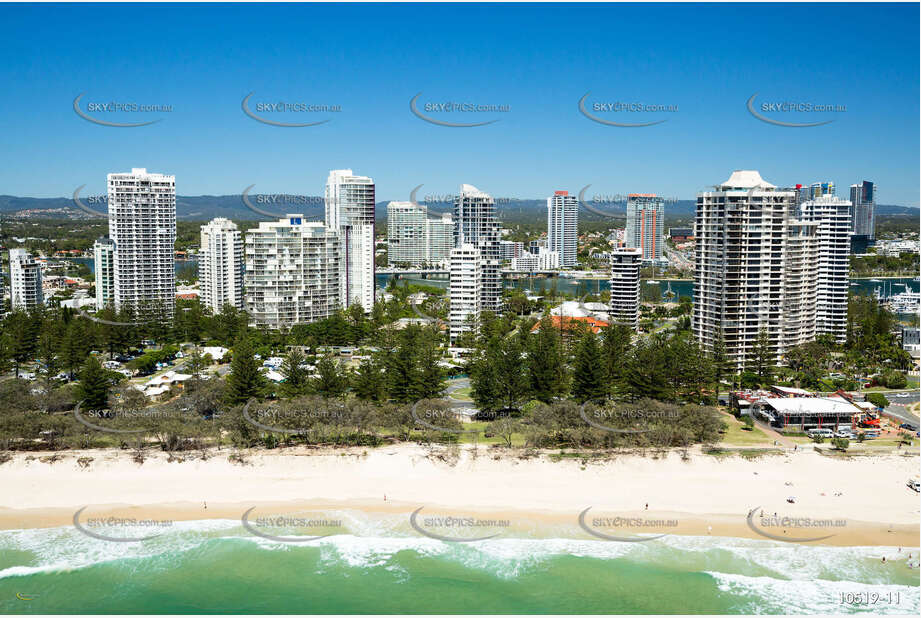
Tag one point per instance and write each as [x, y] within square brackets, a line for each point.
[206, 207]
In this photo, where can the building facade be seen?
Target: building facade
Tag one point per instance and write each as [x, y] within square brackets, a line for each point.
[832, 215]
[25, 280]
[464, 289]
[475, 224]
[563, 227]
[440, 231]
[104, 265]
[350, 211]
[813, 191]
[625, 286]
[757, 264]
[142, 224]
[292, 272]
[406, 233]
[863, 210]
[511, 250]
[220, 265]
[646, 224]
[415, 239]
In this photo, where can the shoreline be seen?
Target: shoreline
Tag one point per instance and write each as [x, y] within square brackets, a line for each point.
[523, 525]
[705, 495]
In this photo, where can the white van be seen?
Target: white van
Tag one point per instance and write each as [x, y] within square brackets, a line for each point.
[821, 432]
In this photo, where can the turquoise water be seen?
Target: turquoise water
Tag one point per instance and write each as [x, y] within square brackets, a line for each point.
[679, 288]
[594, 286]
[215, 566]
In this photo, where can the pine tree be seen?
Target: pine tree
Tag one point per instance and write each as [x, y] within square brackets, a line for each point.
[75, 346]
[545, 367]
[428, 376]
[296, 378]
[589, 376]
[484, 379]
[93, 389]
[719, 360]
[368, 381]
[330, 380]
[615, 348]
[244, 380]
[763, 358]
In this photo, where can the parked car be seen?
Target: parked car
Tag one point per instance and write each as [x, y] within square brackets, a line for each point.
[846, 433]
[908, 426]
[913, 483]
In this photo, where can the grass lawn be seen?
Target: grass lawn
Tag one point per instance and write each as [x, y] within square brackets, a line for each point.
[736, 435]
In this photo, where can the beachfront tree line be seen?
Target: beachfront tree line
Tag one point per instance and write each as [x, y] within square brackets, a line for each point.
[519, 366]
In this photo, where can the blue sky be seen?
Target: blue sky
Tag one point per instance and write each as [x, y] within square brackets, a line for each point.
[539, 60]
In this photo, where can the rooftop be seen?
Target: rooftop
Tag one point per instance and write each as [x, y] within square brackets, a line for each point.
[746, 179]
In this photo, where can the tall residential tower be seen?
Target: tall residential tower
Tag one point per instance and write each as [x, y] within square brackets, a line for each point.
[220, 265]
[834, 242]
[25, 280]
[414, 238]
[863, 210]
[646, 224]
[625, 286]
[476, 242]
[756, 269]
[292, 272]
[104, 265]
[142, 224]
[350, 212]
[563, 227]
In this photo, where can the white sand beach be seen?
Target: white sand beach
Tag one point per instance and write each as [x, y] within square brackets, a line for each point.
[709, 495]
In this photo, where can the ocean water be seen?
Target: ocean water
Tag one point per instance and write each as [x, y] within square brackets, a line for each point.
[215, 566]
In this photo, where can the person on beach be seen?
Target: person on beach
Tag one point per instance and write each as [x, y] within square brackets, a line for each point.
[647, 506]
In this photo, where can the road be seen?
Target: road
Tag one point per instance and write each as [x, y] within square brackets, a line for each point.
[680, 260]
[898, 406]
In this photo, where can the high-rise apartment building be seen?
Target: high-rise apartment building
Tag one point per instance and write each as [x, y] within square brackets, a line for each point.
[757, 266]
[220, 265]
[510, 250]
[25, 280]
[415, 239]
[863, 210]
[464, 289]
[646, 224]
[625, 286]
[406, 233]
[292, 272]
[544, 260]
[834, 231]
[142, 224]
[350, 212]
[475, 224]
[800, 281]
[440, 234]
[563, 227]
[813, 191]
[104, 265]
